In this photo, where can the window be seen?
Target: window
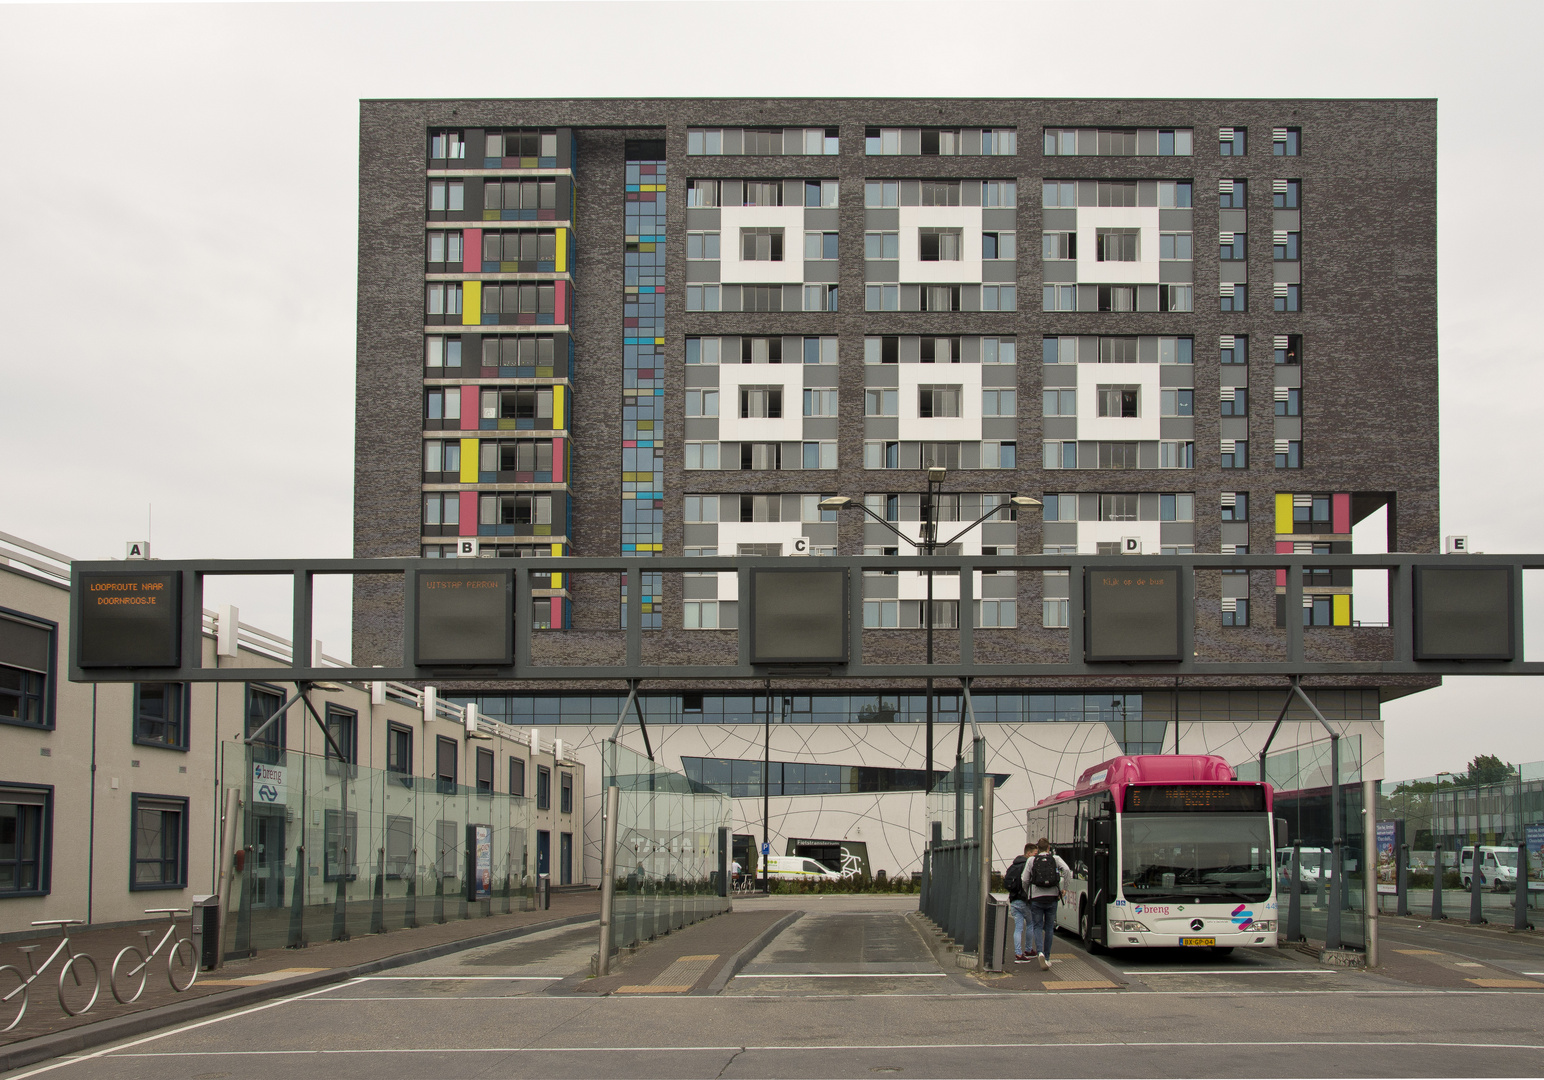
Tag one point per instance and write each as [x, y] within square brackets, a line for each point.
[938, 401]
[270, 740]
[1116, 455]
[1289, 454]
[880, 402]
[820, 403]
[399, 749]
[447, 195]
[1177, 455]
[998, 245]
[1235, 506]
[761, 245]
[518, 299]
[761, 350]
[1288, 297]
[517, 776]
[1235, 349]
[520, 195]
[820, 350]
[703, 193]
[521, 143]
[1058, 246]
[484, 771]
[1289, 401]
[1235, 454]
[1286, 247]
[999, 298]
[819, 455]
[1118, 142]
[1118, 245]
[1117, 297]
[820, 298]
[442, 352]
[343, 726]
[997, 613]
[1235, 297]
[702, 298]
[1116, 192]
[702, 403]
[699, 615]
[999, 350]
[160, 714]
[1176, 402]
[761, 298]
[1234, 247]
[1232, 194]
[1235, 611]
[158, 842]
[26, 839]
[447, 754]
[997, 193]
[881, 193]
[543, 788]
[938, 193]
[1285, 142]
[940, 298]
[520, 245]
[881, 245]
[1063, 402]
[761, 456]
[761, 402]
[1059, 298]
[820, 245]
[1174, 247]
[881, 350]
[702, 245]
[999, 403]
[1118, 507]
[1235, 401]
[442, 299]
[446, 144]
[821, 192]
[1289, 348]
[1285, 194]
[565, 793]
[999, 455]
[1232, 141]
[1176, 298]
[26, 667]
[1061, 454]
[938, 245]
[1059, 193]
[701, 509]
[701, 455]
[1174, 194]
[444, 247]
[1053, 614]
[1118, 401]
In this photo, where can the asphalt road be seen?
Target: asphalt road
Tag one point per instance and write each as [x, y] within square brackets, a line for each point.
[885, 1007]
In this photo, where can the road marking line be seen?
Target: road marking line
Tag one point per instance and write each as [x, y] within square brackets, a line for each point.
[807, 1047]
[179, 1030]
[1507, 984]
[460, 978]
[851, 975]
[1239, 971]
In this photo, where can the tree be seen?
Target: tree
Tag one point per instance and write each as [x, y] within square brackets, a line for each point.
[1489, 769]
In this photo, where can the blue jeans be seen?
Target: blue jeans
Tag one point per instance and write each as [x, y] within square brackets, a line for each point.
[1042, 925]
[1021, 917]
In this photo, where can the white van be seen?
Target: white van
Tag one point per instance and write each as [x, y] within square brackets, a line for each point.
[799, 868]
[1310, 860]
[1498, 867]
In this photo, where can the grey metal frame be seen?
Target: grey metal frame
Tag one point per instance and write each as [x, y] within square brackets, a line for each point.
[1400, 568]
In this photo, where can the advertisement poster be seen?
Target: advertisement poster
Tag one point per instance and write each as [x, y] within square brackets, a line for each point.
[1388, 855]
[1534, 837]
[479, 850]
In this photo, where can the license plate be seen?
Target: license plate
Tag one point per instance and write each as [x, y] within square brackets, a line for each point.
[1198, 941]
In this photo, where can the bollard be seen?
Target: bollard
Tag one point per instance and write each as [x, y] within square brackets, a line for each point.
[1476, 888]
[1436, 883]
[1520, 902]
[1402, 878]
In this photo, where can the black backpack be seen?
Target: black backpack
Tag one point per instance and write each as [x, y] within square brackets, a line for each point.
[1013, 879]
[1043, 872]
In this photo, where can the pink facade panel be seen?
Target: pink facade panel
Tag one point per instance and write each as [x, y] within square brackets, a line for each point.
[559, 450]
[471, 251]
[468, 513]
[557, 613]
[1340, 512]
[560, 303]
[471, 401]
[1283, 547]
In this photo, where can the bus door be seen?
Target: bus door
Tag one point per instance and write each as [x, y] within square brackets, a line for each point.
[1101, 887]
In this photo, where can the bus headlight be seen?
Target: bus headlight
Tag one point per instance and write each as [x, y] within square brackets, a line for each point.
[1264, 926]
[1130, 926]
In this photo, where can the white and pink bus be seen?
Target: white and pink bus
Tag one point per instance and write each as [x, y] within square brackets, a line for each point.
[1165, 850]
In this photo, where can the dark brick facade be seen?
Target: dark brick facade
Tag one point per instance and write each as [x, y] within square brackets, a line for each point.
[1369, 322]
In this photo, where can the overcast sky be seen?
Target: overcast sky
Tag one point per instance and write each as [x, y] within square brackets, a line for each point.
[178, 206]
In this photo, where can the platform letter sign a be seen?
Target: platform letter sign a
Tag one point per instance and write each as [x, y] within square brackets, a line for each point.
[1130, 614]
[129, 619]
[1463, 613]
[465, 619]
[798, 616]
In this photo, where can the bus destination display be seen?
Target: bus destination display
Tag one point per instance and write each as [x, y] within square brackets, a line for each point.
[465, 619]
[1131, 615]
[1184, 798]
[128, 619]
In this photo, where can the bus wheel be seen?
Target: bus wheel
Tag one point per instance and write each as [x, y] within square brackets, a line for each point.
[1086, 928]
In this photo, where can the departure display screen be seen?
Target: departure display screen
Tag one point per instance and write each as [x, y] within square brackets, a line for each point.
[1179, 798]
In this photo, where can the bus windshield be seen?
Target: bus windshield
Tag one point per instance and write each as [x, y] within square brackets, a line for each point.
[1198, 856]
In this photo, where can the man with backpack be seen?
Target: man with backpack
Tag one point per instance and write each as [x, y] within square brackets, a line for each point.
[1046, 877]
[1018, 902]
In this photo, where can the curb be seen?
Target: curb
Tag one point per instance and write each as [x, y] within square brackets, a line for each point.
[87, 1036]
[748, 953]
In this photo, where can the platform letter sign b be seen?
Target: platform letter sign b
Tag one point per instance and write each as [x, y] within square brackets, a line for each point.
[466, 549]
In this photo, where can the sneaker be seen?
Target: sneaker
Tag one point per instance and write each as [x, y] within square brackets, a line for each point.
[1045, 963]
[1021, 958]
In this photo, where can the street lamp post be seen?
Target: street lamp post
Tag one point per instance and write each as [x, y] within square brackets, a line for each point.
[928, 545]
[1457, 843]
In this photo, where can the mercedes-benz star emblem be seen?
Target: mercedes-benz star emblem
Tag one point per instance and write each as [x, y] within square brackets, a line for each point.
[1196, 924]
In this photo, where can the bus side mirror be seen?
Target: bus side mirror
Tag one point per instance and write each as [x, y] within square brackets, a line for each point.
[1104, 837]
[1281, 833]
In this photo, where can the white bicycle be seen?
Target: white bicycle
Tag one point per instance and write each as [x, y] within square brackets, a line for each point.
[132, 964]
[74, 995]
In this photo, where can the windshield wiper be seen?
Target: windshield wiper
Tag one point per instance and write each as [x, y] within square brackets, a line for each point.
[1248, 898]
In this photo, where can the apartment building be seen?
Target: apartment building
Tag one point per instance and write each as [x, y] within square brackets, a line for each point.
[609, 327]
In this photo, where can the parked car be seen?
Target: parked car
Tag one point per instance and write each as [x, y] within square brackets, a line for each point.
[1498, 867]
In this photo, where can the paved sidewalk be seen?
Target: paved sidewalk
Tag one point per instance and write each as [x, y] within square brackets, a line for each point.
[696, 959]
[271, 971]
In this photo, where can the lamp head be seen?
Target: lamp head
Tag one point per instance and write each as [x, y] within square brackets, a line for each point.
[936, 474]
[1024, 501]
[835, 502]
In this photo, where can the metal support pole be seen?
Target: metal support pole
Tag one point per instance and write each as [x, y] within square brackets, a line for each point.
[1436, 883]
[1476, 877]
[608, 877]
[930, 531]
[1337, 881]
[1402, 876]
[1370, 867]
[227, 864]
[1520, 899]
[1294, 899]
[766, 765]
[985, 891]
